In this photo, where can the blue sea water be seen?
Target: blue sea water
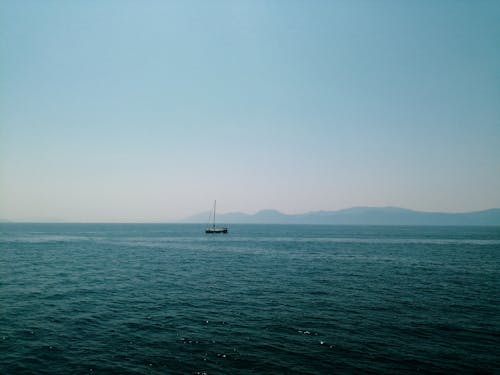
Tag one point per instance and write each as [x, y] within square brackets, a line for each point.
[263, 299]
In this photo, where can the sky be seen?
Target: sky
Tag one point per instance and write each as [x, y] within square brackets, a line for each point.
[118, 111]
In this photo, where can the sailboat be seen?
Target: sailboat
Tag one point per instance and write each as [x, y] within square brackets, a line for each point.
[213, 228]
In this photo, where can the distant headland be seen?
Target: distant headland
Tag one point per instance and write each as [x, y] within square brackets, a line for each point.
[348, 216]
[359, 216]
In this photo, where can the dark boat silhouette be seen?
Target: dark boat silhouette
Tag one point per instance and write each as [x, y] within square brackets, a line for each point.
[213, 228]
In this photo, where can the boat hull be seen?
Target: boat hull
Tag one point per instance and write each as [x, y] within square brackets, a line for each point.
[216, 230]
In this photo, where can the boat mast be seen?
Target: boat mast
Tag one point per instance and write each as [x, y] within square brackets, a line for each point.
[215, 205]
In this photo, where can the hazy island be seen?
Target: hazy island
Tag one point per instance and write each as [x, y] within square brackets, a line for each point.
[358, 216]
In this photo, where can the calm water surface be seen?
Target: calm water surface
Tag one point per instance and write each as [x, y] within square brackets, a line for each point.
[168, 299]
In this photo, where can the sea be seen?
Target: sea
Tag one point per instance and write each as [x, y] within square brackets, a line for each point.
[262, 299]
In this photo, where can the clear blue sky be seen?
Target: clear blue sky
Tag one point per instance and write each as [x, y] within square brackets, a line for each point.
[149, 110]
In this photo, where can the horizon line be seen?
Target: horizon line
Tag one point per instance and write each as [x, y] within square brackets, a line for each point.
[185, 220]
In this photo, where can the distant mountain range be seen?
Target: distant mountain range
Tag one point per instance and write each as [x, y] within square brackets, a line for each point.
[358, 216]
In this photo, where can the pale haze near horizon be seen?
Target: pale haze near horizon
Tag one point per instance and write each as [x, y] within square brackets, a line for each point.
[148, 111]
